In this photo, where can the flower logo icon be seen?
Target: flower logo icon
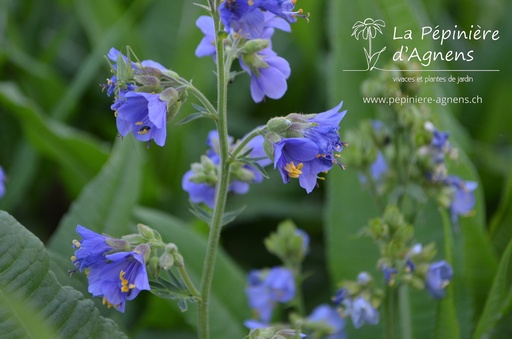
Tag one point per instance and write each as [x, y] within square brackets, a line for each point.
[368, 29]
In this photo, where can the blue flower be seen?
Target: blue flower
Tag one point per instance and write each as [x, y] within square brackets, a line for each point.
[207, 45]
[144, 115]
[306, 157]
[91, 250]
[361, 311]
[389, 273]
[329, 316]
[463, 199]
[120, 278]
[200, 181]
[438, 276]
[283, 9]
[247, 16]
[268, 75]
[266, 288]
[3, 179]
[440, 145]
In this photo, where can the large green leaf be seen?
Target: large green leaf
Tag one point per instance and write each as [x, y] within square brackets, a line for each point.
[80, 155]
[228, 303]
[498, 297]
[105, 205]
[24, 274]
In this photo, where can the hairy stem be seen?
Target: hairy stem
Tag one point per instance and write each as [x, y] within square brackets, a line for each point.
[223, 66]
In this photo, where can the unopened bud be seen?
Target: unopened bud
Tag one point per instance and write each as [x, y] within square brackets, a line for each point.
[143, 249]
[254, 46]
[146, 231]
[120, 245]
[154, 267]
[147, 80]
[166, 261]
[152, 71]
[278, 124]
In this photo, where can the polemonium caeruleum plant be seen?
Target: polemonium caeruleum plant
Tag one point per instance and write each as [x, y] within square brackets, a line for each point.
[147, 96]
[302, 148]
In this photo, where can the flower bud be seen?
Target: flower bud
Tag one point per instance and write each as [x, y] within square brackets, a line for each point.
[147, 232]
[278, 124]
[134, 238]
[154, 267]
[152, 71]
[118, 245]
[254, 46]
[178, 260]
[166, 261]
[254, 62]
[147, 80]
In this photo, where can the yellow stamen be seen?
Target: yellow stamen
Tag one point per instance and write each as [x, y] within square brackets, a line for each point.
[115, 113]
[73, 258]
[293, 171]
[125, 286]
[250, 2]
[76, 243]
[138, 123]
[144, 130]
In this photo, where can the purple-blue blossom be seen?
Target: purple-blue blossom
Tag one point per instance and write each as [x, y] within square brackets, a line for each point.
[463, 199]
[142, 114]
[247, 17]
[202, 190]
[438, 277]
[304, 158]
[361, 311]
[120, 278]
[328, 316]
[268, 72]
[207, 45]
[265, 289]
[91, 250]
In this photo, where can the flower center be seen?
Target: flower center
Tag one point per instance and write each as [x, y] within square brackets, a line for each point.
[125, 286]
[293, 171]
[144, 130]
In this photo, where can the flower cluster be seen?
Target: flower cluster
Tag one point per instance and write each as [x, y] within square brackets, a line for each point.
[266, 288]
[3, 179]
[250, 25]
[116, 272]
[147, 95]
[359, 300]
[303, 146]
[200, 182]
[460, 197]
[403, 261]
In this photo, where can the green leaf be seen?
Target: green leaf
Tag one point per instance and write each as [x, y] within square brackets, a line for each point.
[24, 275]
[80, 156]
[228, 302]
[498, 297]
[105, 205]
[500, 229]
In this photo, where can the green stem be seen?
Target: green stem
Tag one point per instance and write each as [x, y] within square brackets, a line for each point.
[251, 135]
[188, 282]
[200, 96]
[390, 309]
[223, 67]
[405, 311]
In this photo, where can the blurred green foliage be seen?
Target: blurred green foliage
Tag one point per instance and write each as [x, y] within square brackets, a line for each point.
[57, 131]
